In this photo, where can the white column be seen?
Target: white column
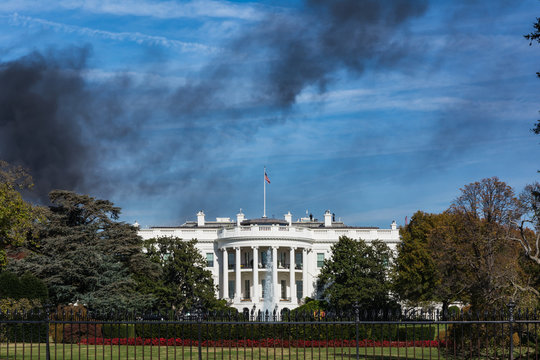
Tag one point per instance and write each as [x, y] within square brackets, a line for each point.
[225, 262]
[255, 294]
[304, 273]
[291, 276]
[274, 274]
[238, 277]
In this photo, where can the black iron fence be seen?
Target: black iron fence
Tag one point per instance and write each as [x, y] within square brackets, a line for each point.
[381, 334]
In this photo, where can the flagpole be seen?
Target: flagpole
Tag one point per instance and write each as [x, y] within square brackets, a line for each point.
[264, 202]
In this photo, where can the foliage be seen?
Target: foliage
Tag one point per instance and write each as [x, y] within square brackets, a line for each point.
[527, 235]
[317, 330]
[65, 313]
[26, 287]
[415, 275]
[357, 272]
[310, 307]
[474, 242]
[118, 330]
[185, 283]
[86, 255]
[16, 309]
[490, 200]
[463, 253]
[18, 305]
[17, 217]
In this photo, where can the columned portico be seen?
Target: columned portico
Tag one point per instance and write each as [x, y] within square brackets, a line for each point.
[294, 250]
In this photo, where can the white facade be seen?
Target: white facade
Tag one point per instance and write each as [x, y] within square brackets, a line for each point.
[243, 255]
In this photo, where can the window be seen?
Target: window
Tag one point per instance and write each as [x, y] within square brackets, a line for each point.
[320, 260]
[210, 259]
[246, 290]
[232, 289]
[263, 284]
[232, 260]
[299, 289]
[283, 289]
[282, 257]
[298, 262]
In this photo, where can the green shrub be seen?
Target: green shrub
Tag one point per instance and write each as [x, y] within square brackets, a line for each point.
[319, 330]
[22, 309]
[25, 287]
[112, 330]
[10, 286]
[74, 333]
[33, 288]
[454, 312]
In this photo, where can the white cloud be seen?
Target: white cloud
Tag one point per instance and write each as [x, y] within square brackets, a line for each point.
[139, 38]
[156, 9]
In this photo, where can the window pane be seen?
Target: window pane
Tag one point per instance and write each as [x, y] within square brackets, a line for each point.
[209, 259]
[320, 260]
[298, 261]
[247, 287]
[300, 289]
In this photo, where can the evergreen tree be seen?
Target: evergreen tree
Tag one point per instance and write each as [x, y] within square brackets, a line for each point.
[185, 282]
[86, 254]
[357, 272]
[415, 275]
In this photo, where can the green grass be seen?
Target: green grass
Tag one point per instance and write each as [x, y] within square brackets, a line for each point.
[67, 351]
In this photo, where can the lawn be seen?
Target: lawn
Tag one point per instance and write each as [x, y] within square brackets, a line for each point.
[67, 351]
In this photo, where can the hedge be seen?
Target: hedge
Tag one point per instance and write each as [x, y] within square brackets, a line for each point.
[112, 330]
[315, 331]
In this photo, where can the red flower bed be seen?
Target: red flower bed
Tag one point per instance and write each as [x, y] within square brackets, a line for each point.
[258, 343]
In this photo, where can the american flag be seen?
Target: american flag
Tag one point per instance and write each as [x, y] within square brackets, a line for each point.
[266, 178]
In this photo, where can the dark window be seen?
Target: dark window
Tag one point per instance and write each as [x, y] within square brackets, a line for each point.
[299, 289]
[320, 260]
[246, 290]
[210, 259]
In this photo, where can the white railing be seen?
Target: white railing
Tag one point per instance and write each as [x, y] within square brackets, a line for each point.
[278, 231]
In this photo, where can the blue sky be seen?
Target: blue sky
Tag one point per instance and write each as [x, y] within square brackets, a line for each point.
[371, 109]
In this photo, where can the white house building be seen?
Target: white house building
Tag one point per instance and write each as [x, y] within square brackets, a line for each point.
[268, 263]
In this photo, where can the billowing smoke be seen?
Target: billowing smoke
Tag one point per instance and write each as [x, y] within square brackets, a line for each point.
[64, 129]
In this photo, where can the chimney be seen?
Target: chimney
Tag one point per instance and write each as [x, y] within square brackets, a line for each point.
[136, 224]
[394, 225]
[327, 219]
[288, 218]
[200, 218]
[239, 218]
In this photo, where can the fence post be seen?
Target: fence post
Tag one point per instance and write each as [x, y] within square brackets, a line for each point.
[511, 306]
[48, 323]
[356, 321]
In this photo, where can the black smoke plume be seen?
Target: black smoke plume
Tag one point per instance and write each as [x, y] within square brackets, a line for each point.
[64, 129]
